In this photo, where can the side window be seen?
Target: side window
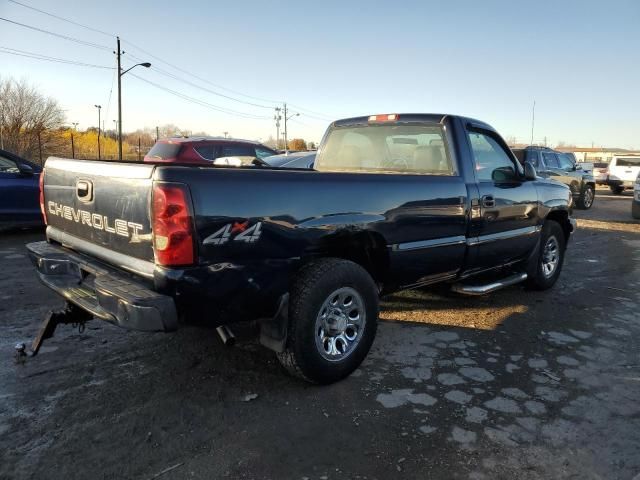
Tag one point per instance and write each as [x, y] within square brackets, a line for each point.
[262, 152]
[208, 152]
[492, 162]
[237, 151]
[550, 160]
[8, 166]
[566, 163]
[532, 156]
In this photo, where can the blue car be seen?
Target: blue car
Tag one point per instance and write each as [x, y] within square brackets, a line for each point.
[19, 192]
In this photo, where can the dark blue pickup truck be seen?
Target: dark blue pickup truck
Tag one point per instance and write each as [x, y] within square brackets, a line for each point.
[393, 202]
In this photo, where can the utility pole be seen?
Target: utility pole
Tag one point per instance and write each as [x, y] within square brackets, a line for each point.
[116, 122]
[99, 107]
[277, 117]
[73, 148]
[533, 119]
[286, 140]
[157, 133]
[119, 123]
[118, 53]
[225, 134]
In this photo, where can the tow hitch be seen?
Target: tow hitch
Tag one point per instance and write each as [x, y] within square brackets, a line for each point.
[69, 314]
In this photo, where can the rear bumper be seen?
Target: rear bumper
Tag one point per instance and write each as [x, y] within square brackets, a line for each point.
[101, 291]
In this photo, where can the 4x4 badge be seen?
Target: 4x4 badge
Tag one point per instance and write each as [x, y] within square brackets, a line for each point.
[237, 232]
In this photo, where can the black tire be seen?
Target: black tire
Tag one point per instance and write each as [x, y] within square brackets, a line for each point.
[635, 209]
[585, 201]
[616, 190]
[538, 276]
[312, 288]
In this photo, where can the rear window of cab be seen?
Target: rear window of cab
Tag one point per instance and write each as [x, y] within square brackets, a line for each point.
[164, 151]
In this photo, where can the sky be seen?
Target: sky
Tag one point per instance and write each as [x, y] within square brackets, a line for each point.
[578, 60]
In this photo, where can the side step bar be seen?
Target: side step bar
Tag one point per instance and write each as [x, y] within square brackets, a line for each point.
[490, 287]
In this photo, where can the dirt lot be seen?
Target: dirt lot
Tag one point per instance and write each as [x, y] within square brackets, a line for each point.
[514, 385]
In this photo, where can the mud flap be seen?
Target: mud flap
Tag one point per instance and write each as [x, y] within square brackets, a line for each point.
[69, 314]
[273, 331]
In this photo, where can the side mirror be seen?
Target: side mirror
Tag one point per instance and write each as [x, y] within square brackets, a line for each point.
[503, 175]
[530, 171]
[25, 169]
[577, 167]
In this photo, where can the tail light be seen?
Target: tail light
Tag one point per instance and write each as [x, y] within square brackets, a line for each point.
[41, 183]
[172, 225]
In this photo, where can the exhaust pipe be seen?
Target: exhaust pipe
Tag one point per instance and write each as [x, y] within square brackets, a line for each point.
[490, 287]
[226, 335]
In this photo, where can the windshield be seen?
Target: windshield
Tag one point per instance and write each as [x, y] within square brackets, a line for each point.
[396, 148]
[628, 162]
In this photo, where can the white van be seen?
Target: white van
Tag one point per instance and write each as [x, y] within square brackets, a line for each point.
[623, 171]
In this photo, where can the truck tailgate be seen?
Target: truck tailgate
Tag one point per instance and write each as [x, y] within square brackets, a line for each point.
[100, 208]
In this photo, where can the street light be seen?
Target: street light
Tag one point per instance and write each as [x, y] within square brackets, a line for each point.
[75, 125]
[99, 107]
[120, 74]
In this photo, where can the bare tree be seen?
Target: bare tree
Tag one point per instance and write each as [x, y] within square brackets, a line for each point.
[29, 120]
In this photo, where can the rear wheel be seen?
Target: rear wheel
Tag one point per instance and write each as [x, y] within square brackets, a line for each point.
[333, 315]
[635, 209]
[616, 190]
[550, 258]
[586, 199]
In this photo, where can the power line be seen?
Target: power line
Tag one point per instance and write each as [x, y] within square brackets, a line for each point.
[175, 77]
[308, 113]
[201, 102]
[65, 37]
[37, 56]
[63, 19]
[200, 78]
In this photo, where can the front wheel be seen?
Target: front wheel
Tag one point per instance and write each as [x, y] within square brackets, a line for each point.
[586, 199]
[333, 315]
[550, 258]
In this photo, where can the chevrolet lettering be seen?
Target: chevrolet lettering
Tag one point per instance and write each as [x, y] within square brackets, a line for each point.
[95, 220]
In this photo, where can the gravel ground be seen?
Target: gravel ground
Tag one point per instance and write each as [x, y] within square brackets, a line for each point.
[514, 385]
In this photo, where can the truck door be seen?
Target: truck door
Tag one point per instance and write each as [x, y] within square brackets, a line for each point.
[19, 194]
[557, 168]
[508, 226]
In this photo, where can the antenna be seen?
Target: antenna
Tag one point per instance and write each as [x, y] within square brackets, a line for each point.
[533, 119]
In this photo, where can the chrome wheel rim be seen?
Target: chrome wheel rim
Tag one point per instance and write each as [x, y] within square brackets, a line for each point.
[588, 197]
[550, 256]
[340, 324]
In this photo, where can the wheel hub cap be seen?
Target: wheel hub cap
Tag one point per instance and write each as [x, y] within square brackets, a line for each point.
[550, 256]
[340, 324]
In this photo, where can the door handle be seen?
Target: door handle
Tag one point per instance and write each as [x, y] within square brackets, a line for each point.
[488, 201]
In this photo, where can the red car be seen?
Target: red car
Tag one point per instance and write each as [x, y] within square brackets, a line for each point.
[204, 150]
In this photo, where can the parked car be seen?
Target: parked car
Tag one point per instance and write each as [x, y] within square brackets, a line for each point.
[601, 173]
[635, 204]
[306, 253]
[19, 192]
[205, 150]
[561, 167]
[293, 160]
[623, 171]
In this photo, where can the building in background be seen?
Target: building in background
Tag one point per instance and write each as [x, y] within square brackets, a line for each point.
[596, 154]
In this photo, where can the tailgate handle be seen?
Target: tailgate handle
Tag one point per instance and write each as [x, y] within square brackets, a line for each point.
[84, 190]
